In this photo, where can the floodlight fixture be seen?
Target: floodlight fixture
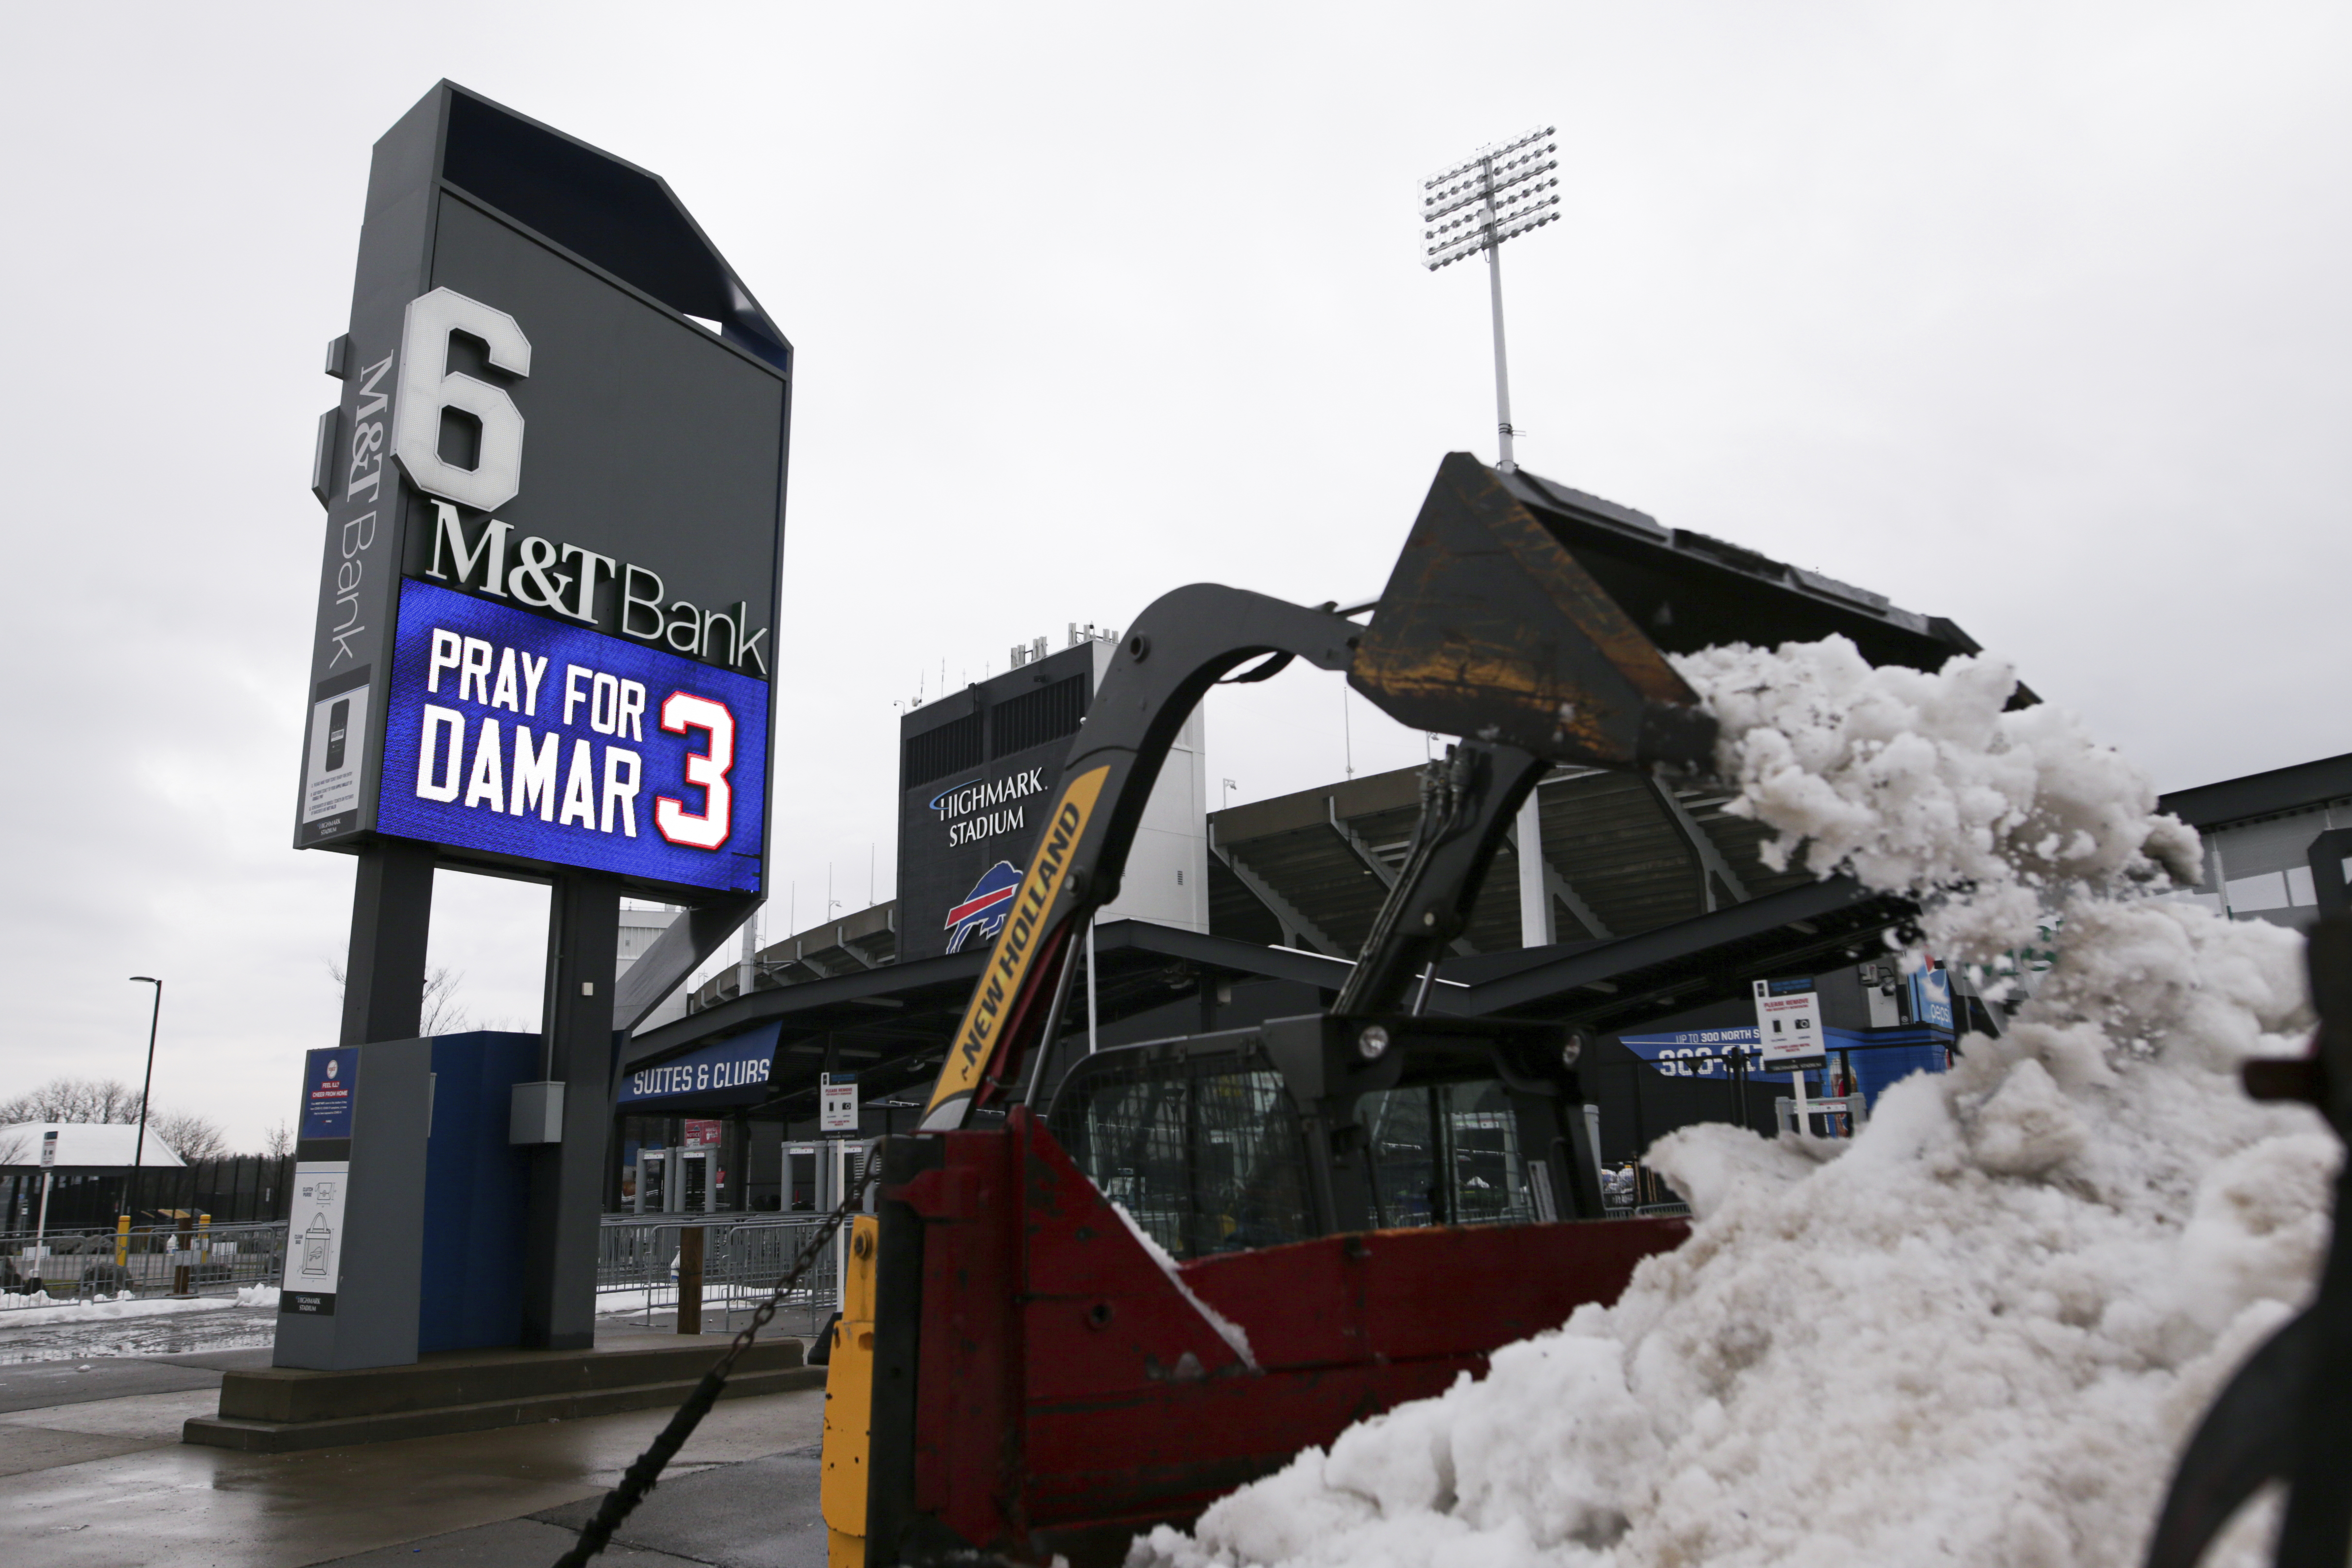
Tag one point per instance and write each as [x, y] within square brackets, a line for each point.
[1498, 194]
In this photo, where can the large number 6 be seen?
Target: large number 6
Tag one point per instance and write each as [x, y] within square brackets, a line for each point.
[680, 714]
[428, 387]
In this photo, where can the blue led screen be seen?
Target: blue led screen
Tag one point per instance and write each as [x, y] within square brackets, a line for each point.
[514, 733]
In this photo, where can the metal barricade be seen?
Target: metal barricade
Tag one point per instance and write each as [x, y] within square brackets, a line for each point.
[112, 1265]
[743, 1256]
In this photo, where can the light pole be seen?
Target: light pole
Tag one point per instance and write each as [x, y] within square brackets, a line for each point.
[1498, 194]
[139, 1147]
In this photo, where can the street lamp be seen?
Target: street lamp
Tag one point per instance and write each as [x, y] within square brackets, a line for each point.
[1500, 194]
[139, 1149]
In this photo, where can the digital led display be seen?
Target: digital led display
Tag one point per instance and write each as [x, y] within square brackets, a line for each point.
[516, 735]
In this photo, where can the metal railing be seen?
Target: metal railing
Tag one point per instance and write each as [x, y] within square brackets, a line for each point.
[637, 1265]
[743, 1256]
[87, 1265]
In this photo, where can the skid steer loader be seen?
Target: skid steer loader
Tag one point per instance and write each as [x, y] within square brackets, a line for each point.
[1066, 1324]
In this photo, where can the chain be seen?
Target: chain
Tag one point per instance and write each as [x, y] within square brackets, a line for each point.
[640, 1477]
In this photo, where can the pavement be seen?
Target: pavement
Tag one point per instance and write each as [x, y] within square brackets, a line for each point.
[93, 1475]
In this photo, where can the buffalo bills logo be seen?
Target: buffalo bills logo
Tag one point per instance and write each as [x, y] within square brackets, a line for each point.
[983, 909]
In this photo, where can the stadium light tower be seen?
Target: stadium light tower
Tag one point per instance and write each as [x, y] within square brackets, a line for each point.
[1501, 194]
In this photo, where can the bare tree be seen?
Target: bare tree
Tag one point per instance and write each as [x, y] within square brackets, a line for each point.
[277, 1143]
[187, 1134]
[84, 1101]
[439, 1012]
[73, 1100]
[442, 1012]
[15, 1149]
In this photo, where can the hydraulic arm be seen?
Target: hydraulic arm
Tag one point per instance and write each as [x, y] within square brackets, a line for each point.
[1488, 627]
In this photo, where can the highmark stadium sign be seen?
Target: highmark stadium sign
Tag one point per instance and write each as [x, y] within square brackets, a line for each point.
[554, 488]
[986, 807]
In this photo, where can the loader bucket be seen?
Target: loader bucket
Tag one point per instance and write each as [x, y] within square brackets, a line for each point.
[1489, 628]
[1045, 1387]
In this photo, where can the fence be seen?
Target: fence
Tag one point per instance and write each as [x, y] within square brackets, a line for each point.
[236, 1189]
[153, 1260]
[636, 1268]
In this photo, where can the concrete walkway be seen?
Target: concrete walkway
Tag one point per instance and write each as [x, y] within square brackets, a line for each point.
[92, 1473]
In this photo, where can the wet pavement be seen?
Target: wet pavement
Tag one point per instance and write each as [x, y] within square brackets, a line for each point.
[37, 1385]
[92, 1475]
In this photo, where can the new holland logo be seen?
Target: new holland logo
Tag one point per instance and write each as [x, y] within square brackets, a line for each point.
[983, 909]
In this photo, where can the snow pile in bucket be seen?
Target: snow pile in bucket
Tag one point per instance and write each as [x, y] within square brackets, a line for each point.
[1979, 1333]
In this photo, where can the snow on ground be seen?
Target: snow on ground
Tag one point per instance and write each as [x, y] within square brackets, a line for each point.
[242, 1322]
[1979, 1333]
[664, 1299]
[20, 1312]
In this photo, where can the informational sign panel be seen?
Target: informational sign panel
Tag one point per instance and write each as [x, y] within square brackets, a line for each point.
[704, 1135]
[836, 1102]
[560, 449]
[1788, 1020]
[330, 1079]
[314, 1238]
[48, 1148]
[322, 1178]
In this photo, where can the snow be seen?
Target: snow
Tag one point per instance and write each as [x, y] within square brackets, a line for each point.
[100, 1145]
[612, 1302]
[1236, 1339]
[18, 1311]
[1979, 1331]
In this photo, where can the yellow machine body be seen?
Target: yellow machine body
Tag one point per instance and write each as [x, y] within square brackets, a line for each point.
[849, 1403]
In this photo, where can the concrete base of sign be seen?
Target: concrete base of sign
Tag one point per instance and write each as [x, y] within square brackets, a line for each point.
[275, 1410]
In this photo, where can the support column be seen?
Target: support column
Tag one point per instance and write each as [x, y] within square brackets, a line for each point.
[392, 910]
[566, 1178]
[739, 1167]
[616, 1140]
[1535, 892]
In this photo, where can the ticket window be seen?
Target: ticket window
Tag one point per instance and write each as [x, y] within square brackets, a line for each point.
[653, 1186]
[696, 1182]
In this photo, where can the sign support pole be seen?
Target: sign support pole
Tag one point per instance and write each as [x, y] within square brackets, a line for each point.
[41, 1228]
[392, 910]
[567, 1178]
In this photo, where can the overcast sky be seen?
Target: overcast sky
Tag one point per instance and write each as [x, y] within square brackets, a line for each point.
[2033, 316]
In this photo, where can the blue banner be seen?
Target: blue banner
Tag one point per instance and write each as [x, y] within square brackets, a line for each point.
[1706, 1053]
[515, 733]
[329, 1081]
[1701, 1053]
[732, 1072]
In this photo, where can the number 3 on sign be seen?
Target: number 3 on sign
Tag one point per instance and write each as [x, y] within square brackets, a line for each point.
[680, 714]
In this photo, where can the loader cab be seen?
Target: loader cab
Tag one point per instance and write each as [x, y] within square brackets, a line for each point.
[1325, 1124]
